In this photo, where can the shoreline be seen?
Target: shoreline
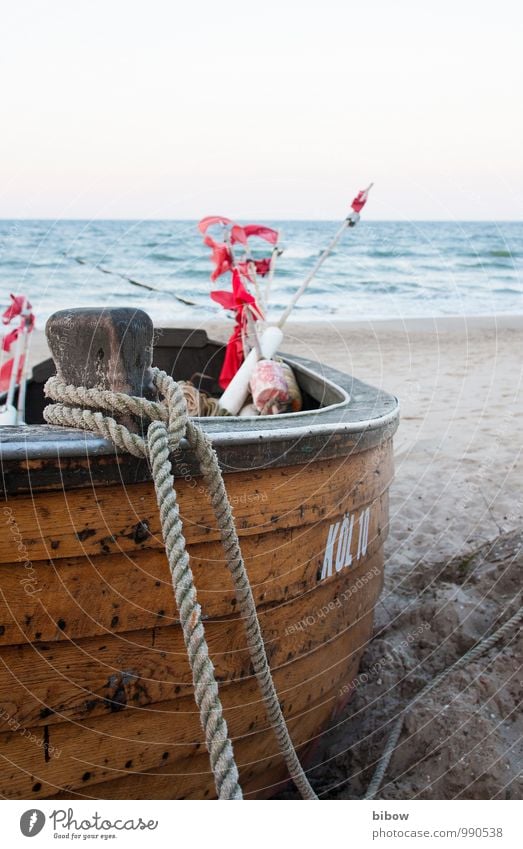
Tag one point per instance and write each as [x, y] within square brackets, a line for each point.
[420, 324]
[449, 325]
[412, 324]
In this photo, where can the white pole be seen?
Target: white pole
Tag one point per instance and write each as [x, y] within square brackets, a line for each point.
[14, 371]
[234, 396]
[257, 291]
[8, 413]
[276, 252]
[20, 407]
[2, 352]
[251, 322]
[350, 221]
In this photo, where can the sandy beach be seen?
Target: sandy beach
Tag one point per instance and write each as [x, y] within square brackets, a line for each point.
[454, 557]
[453, 552]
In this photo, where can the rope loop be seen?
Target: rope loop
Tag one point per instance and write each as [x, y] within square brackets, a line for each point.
[169, 423]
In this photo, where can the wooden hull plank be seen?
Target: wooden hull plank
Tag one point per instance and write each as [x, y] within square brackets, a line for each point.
[48, 683]
[105, 520]
[84, 756]
[125, 592]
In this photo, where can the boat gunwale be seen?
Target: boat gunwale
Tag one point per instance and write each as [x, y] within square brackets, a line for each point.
[303, 369]
[85, 444]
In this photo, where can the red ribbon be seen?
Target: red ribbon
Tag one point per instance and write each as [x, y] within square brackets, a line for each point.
[262, 267]
[360, 200]
[9, 338]
[241, 234]
[221, 257]
[18, 304]
[239, 300]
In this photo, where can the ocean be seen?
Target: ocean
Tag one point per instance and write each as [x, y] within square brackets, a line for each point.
[379, 270]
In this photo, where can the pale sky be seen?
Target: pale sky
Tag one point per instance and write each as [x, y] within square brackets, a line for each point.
[273, 109]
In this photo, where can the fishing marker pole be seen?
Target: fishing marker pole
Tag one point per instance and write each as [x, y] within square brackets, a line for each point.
[352, 219]
[234, 396]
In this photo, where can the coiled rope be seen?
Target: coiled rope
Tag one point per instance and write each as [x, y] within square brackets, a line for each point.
[200, 403]
[472, 654]
[79, 407]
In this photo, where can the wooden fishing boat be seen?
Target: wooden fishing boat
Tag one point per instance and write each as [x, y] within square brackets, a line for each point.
[95, 688]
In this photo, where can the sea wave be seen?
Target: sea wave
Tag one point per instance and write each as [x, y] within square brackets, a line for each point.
[379, 269]
[161, 257]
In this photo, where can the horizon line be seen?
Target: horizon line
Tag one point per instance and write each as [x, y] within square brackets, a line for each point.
[268, 220]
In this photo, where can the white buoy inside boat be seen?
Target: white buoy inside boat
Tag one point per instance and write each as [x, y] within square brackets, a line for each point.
[237, 391]
[248, 410]
[8, 415]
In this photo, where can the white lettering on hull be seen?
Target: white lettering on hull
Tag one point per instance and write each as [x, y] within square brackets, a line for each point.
[339, 549]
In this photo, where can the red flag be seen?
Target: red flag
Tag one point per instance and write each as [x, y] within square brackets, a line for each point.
[238, 234]
[239, 299]
[262, 232]
[205, 223]
[221, 257]
[360, 200]
[221, 254]
[262, 267]
[9, 338]
[18, 303]
[241, 234]
[6, 370]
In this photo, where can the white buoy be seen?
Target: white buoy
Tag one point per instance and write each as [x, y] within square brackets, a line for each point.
[20, 407]
[234, 396]
[8, 412]
[248, 410]
[8, 415]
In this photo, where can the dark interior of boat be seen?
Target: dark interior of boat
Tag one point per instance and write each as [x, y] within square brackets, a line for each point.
[186, 354]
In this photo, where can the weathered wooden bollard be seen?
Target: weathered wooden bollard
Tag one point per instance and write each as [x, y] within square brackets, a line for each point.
[104, 348]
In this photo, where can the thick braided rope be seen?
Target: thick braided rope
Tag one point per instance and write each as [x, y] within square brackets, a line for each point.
[472, 654]
[178, 426]
[205, 686]
[209, 466]
[158, 448]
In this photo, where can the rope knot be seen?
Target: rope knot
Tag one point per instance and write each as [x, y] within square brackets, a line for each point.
[88, 409]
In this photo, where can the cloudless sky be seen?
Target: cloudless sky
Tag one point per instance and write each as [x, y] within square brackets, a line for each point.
[274, 109]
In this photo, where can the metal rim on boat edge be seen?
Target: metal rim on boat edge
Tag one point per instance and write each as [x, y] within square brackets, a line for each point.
[81, 443]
